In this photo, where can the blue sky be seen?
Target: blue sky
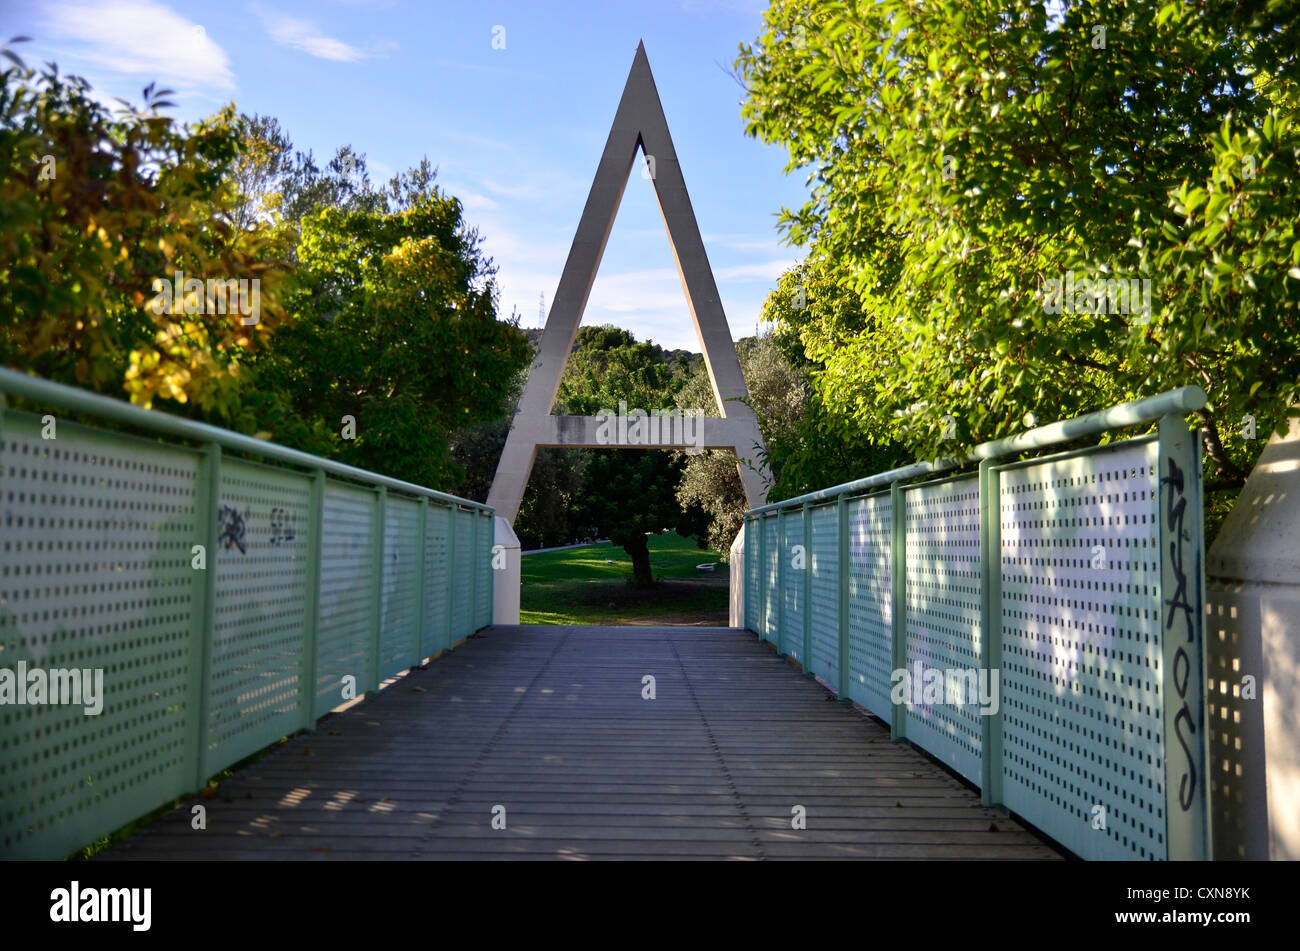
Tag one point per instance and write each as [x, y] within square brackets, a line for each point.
[516, 133]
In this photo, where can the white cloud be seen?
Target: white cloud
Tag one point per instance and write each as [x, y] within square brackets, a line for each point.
[473, 201]
[768, 271]
[303, 35]
[141, 38]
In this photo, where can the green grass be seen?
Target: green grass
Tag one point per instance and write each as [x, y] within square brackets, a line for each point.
[592, 585]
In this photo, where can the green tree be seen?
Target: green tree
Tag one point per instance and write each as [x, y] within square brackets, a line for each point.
[963, 157]
[608, 364]
[710, 480]
[807, 447]
[393, 343]
[98, 210]
[818, 446]
[630, 492]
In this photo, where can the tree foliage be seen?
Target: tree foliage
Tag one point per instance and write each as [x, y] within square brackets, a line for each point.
[393, 323]
[963, 156]
[609, 365]
[630, 492]
[96, 209]
[807, 447]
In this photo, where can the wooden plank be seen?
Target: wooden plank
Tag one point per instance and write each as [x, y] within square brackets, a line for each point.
[550, 724]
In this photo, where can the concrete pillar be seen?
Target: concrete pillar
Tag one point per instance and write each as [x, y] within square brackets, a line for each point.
[506, 580]
[737, 615]
[1253, 673]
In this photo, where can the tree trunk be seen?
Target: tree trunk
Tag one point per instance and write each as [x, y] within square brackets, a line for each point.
[638, 551]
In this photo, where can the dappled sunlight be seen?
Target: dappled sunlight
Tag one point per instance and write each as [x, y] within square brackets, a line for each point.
[340, 800]
[294, 798]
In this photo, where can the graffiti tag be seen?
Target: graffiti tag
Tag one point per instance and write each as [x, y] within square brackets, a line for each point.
[1178, 606]
[230, 529]
[281, 526]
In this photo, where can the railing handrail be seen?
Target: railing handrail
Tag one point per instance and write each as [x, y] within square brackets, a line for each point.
[83, 401]
[1187, 399]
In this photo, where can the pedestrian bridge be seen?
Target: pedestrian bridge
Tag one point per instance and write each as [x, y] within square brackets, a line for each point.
[547, 742]
[233, 593]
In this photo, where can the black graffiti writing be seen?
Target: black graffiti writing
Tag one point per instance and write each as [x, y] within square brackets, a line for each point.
[1175, 512]
[281, 526]
[1187, 783]
[1182, 671]
[230, 529]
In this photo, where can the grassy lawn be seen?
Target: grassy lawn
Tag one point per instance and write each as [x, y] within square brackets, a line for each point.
[590, 585]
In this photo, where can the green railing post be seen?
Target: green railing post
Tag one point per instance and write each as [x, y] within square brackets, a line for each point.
[991, 628]
[806, 650]
[422, 521]
[473, 572]
[761, 629]
[780, 581]
[844, 569]
[449, 626]
[311, 619]
[898, 607]
[492, 569]
[207, 497]
[1182, 585]
[377, 591]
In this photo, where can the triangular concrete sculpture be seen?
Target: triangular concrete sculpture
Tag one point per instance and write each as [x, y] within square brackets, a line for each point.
[639, 123]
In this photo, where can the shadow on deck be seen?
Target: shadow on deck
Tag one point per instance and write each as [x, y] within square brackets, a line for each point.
[549, 723]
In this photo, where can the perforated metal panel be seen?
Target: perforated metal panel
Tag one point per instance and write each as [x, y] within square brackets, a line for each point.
[752, 575]
[771, 555]
[435, 579]
[1081, 649]
[1236, 772]
[463, 576]
[348, 564]
[400, 630]
[942, 613]
[825, 602]
[794, 579]
[261, 602]
[870, 602]
[483, 617]
[109, 545]
[95, 573]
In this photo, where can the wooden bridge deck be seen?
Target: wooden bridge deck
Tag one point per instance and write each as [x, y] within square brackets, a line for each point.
[549, 723]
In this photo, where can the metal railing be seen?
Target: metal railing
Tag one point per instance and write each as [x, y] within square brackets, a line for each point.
[221, 603]
[1037, 625]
